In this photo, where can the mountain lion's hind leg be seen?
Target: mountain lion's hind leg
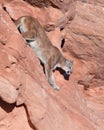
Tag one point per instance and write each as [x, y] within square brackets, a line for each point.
[50, 76]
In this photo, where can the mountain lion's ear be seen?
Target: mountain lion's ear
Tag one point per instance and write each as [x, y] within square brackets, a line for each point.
[68, 61]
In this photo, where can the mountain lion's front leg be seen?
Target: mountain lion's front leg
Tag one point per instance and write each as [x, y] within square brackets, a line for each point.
[50, 76]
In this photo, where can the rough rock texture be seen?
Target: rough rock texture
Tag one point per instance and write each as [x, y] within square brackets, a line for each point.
[27, 101]
[85, 41]
[94, 2]
[63, 5]
[59, 11]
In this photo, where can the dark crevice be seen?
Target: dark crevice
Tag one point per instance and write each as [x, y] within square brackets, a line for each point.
[29, 120]
[62, 42]
[6, 106]
[3, 43]
[62, 28]
[4, 8]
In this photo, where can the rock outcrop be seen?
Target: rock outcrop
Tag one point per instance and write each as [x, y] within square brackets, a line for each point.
[26, 99]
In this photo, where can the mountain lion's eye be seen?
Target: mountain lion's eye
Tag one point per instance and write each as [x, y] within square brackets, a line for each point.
[68, 72]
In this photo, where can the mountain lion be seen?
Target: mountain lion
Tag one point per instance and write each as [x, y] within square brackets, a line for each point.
[50, 56]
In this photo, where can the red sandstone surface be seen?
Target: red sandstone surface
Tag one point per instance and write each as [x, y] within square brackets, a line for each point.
[26, 99]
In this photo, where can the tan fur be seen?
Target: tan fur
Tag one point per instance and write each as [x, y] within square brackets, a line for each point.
[49, 55]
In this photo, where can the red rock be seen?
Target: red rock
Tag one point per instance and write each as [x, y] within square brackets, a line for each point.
[94, 2]
[63, 5]
[22, 79]
[85, 38]
[8, 92]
